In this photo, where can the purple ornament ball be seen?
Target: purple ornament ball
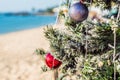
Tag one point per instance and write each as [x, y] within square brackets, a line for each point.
[78, 12]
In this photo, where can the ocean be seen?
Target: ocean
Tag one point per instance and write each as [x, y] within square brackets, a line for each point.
[16, 23]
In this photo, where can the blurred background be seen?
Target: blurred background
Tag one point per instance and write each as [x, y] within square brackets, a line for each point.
[21, 33]
[18, 15]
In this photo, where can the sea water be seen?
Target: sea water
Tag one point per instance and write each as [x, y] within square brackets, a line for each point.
[16, 23]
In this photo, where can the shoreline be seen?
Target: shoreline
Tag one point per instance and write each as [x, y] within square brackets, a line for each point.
[37, 27]
[17, 58]
[17, 61]
[17, 31]
[19, 23]
[23, 35]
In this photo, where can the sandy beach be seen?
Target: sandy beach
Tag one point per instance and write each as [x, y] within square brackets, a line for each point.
[17, 58]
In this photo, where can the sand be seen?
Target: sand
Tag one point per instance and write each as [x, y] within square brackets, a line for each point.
[17, 58]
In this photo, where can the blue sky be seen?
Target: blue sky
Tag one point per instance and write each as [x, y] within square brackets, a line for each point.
[23, 5]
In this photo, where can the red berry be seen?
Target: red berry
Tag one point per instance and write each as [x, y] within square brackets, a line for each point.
[51, 61]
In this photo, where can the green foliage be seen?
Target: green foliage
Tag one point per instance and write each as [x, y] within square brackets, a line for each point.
[103, 72]
[44, 68]
[70, 48]
[85, 48]
[104, 4]
[40, 52]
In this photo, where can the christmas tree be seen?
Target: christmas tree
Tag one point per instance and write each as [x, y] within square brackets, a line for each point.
[88, 47]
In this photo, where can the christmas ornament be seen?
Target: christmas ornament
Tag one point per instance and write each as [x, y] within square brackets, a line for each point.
[78, 12]
[51, 62]
[114, 11]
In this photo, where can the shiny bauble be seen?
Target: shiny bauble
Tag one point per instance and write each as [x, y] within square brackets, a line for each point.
[114, 11]
[78, 12]
[51, 62]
